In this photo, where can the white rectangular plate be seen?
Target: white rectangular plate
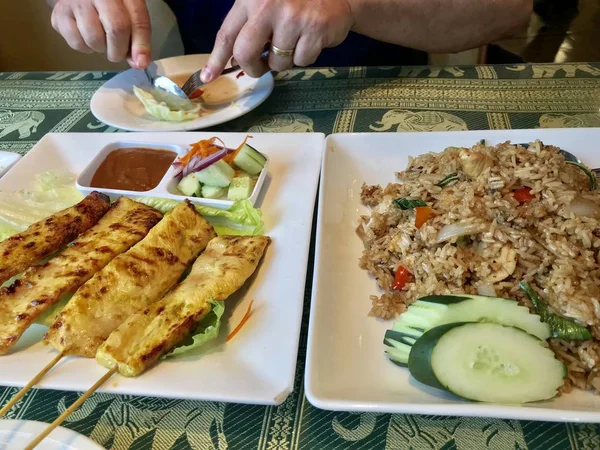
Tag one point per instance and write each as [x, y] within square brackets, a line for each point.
[346, 368]
[258, 365]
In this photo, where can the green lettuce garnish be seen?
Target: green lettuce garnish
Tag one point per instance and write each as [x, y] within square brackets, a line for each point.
[241, 218]
[54, 191]
[6, 232]
[161, 110]
[207, 330]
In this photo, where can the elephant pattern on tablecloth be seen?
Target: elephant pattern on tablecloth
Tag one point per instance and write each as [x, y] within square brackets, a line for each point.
[550, 70]
[556, 120]
[434, 72]
[75, 76]
[25, 122]
[128, 418]
[327, 72]
[97, 125]
[283, 123]
[408, 432]
[419, 121]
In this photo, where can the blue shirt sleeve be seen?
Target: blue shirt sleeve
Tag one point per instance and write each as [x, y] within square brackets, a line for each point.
[200, 20]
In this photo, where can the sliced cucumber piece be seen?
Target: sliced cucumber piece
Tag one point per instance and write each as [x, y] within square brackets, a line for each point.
[432, 311]
[486, 362]
[218, 174]
[249, 160]
[435, 310]
[189, 186]
[240, 189]
[213, 192]
[254, 154]
[398, 353]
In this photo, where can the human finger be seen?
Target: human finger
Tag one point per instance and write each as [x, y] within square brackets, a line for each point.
[115, 20]
[249, 45]
[90, 27]
[140, 32]
[224, 42]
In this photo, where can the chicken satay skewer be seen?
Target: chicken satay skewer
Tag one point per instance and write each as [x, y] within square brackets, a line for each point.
[126, 223]
[41, 287]
[131, 281]
[145, 336]
[45, 237]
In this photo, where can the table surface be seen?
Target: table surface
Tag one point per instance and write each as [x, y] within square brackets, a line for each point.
[360, 99]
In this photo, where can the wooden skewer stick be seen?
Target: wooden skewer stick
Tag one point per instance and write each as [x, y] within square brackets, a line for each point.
[70, 409]
[35, 380]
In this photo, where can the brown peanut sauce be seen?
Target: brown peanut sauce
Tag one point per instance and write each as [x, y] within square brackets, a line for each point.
[133, 169]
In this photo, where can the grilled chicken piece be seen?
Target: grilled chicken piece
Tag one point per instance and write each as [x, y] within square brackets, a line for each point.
[126, 223]
[45, 237]
[132, 281]
[146, 335]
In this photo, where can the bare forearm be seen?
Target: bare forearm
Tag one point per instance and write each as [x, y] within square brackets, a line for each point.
[439, 25]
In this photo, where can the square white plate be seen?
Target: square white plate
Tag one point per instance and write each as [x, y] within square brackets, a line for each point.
[258, 365]
[346, 368]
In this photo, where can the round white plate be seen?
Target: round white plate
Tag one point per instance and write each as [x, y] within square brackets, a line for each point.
[227, 98]
[16, 434]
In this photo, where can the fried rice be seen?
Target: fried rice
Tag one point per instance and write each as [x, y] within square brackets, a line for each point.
[478, 238]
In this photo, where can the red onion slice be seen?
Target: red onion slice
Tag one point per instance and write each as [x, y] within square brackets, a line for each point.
[210, 160]
[197, 163]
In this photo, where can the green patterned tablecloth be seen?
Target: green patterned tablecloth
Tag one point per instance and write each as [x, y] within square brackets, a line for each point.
[328, 101]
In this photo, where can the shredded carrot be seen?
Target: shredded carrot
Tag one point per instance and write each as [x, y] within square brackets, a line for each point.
[242, 322]
[203, 148]
[423, 213]
[229, 158]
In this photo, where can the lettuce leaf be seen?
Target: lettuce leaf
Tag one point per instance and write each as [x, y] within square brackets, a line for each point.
[207, 330]
[161, 111]
[241, 218]
[6, 232]
[54, 191]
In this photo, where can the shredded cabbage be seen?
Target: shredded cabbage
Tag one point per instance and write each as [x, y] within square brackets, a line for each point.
[207, 330]
[240, 219]
[161, 111]
[54, 191]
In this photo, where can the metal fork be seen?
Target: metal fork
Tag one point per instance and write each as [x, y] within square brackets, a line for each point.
[194, 82]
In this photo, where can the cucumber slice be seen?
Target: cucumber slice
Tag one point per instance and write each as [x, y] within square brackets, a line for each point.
[190, 186]
[432, 311]
[249, 160]
[254, 154]
[240, 189]
[218, 174]
[486, 362]
[213, 192]
[398, 353]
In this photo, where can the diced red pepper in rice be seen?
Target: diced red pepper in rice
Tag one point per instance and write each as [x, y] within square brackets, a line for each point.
[402, 277]
[523, 195]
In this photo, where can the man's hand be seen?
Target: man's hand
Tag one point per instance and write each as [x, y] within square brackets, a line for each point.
[307, 26]
[119, 28]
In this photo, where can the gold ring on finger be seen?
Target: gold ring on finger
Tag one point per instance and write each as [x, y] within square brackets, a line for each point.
[281, 52]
